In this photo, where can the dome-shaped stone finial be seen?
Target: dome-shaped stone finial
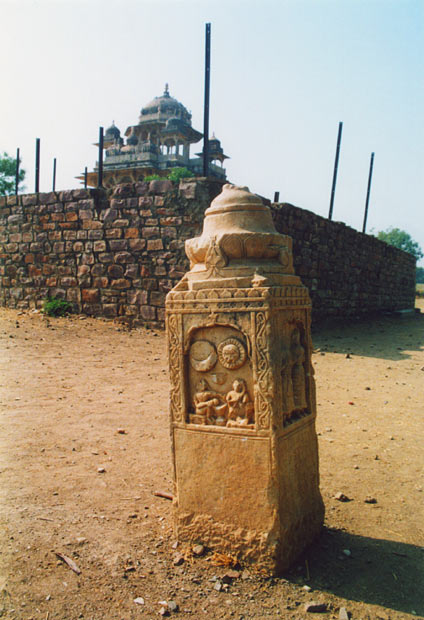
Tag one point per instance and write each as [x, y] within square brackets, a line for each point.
[166, 91]
[238, 241]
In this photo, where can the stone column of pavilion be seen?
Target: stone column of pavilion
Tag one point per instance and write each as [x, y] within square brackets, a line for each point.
[243, 408]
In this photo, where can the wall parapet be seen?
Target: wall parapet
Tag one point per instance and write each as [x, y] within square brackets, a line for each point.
[117, 253]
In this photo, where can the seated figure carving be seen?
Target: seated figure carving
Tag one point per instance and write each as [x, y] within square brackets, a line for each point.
[209, 406]
[240, 406]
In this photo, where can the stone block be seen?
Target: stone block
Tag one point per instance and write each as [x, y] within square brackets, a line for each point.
[73, 295]
[137, 297]
[150, 232]
[123, 257]
[99, 246]
[148, 313]
[132, 270]
[98, 269]
[169, 232]
[160, 186]
[47, 198]
[92, 225]
[58, 247]
[187, 189]
[69, 235]
[106, 257]
[113, 233]
[90, 295]
[101, 282]
[132, 233]
[150, 284]
[157, 298]
[171, 221]
[115, 271]
[124, 190]
[141, 188]
[29, 200]
[137, 245]
[110, 310]
[95, 234]
[15, 219]
[154, 245]
[120, 283]
[68, 281]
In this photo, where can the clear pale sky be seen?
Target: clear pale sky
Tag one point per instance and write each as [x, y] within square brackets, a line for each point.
[283, 74]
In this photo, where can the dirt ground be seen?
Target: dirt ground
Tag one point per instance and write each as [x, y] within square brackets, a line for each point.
[71, 483]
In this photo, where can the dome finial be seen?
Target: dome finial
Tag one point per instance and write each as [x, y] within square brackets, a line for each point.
[166, 91]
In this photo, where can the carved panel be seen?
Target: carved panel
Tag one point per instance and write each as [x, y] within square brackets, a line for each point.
[296, 375]
[220, 378]
[264, 383]
[175, 367]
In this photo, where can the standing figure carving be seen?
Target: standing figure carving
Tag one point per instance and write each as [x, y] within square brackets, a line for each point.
[298, 371]
[287, 384]
[240, 406]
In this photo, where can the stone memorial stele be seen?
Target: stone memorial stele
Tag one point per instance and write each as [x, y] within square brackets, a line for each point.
[245, 455]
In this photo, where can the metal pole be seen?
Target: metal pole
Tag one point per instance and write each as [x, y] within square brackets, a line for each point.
[368, 193]
[206, 107]
[100, 171]
[17, 172]
[336, 165]
[37, 165]
[276, 196]
[85, 177]
[54, 174]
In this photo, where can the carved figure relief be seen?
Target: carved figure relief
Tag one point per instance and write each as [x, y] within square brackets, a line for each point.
[293, 378]
[298, 371]
[240, 406]
[219, 379]
[215, 259]
[287, 383]
[210, 407]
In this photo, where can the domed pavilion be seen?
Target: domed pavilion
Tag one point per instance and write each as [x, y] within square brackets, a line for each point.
[159, 142]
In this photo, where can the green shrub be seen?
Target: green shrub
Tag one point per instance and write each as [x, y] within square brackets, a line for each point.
[179, 173]
[152, 177]
[57, 307]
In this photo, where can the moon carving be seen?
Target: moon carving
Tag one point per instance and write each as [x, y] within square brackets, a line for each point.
[231, 353]
[203, 356]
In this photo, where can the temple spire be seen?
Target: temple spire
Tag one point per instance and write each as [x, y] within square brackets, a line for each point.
[166, 91]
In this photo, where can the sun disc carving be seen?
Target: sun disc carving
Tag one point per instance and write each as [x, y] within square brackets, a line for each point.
[231, 353]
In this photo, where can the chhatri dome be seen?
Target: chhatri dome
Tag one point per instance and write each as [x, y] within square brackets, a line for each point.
[159, 142]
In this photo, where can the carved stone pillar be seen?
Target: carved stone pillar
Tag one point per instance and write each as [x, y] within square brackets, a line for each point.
[242, 390]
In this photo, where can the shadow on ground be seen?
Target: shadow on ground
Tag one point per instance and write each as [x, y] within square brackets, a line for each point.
[368, 570]
[392, 337]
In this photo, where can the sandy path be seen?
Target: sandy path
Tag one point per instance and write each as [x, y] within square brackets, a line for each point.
[68, 385]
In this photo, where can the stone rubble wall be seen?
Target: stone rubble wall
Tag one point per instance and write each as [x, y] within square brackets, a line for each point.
[348, 273]
[116, 254]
